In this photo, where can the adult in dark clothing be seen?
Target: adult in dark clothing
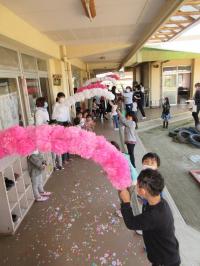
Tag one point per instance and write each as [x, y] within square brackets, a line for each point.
[195, 113]
[139, 97]
[156, 220]
[113, 90]
[102, 108]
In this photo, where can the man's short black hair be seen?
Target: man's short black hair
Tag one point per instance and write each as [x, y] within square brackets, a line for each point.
[152, 156]
[152, 181]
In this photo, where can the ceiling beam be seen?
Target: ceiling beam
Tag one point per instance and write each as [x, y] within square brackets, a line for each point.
[169, 28]
[188, 13]
[192, 3]
[165, 13]
[187, 20]
[89, 7]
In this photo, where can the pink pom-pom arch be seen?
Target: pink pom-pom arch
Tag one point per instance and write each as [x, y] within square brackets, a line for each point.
[92, 86]
[45, 138]
[111, 78]
[114, 76]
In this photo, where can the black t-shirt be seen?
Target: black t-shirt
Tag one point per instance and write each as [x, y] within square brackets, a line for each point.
[157, 224]
[140, 95]
[197, 97]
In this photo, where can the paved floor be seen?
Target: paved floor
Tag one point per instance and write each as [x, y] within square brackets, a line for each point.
[153, 113]
[77, 225]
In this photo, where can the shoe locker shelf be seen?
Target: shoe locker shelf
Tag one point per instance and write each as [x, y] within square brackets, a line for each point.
[19, 198]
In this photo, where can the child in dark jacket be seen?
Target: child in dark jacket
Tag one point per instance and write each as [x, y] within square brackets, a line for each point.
[36, 166]
[156, 220]
[166, 112]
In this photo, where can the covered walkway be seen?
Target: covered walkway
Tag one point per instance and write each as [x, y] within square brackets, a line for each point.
[78, 225]
[47, 47]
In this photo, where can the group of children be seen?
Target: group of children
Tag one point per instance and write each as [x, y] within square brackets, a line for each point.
[85, 120]
[99, 108]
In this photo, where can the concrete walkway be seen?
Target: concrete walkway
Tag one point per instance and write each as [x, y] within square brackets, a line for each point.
[77, 226]
[188, 237]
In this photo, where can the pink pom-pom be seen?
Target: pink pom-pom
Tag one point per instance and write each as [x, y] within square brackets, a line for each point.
[18, 140]
[114, 76]
[45, 138]
[92, 86]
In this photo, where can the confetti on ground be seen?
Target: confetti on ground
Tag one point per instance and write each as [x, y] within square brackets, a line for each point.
[78, 226]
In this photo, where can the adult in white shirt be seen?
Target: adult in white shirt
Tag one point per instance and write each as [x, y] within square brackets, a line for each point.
[60, 111]
[128, 99]
[41, 113]
[114, 114]
[62, 115]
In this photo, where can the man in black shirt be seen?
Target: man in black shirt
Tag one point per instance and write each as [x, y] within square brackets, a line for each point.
[139, 98]
[156, 220]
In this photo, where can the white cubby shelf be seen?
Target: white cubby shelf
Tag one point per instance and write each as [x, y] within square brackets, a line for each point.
[18, 199]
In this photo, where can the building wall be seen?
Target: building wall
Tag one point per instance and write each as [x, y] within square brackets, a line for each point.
[183, 62]
[145, 75]
[55, 68]
[195, 73]
[156, 79]
[155, 84]
[16, 29]
[138, 74]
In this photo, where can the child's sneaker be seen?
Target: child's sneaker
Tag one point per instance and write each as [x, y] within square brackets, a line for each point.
[59, 168]
[45, 193]
[42, 199]
[139, 232]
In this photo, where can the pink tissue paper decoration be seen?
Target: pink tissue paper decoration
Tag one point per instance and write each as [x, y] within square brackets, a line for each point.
[113, 76]
[92, 86]
[58, 139]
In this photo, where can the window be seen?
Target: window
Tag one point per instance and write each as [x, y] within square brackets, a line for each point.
[29, 63]
[170, 81]
[169, 70]
[10, 111]
[184, 69]
[42, 65]
[33, 93]
[8, 58]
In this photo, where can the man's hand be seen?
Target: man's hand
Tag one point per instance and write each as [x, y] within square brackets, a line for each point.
[125, 196]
